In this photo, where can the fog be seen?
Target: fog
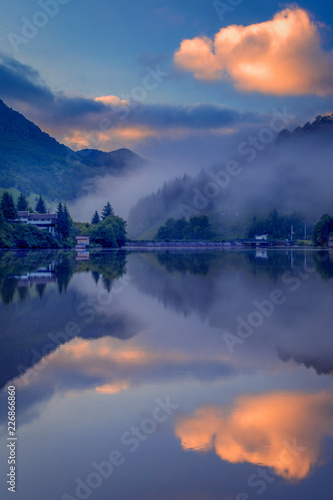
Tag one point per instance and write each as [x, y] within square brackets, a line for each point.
[292, 174]
[167, 159]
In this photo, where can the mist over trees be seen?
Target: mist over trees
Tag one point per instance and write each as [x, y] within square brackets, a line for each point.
[152, 211]
[197, 228]
[278, 227]
[292, 174]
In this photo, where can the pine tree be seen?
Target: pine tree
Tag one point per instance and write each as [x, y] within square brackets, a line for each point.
[67, 222]
[95, 218]
[64, 221]
[7, 206]
[40, 206]
[22, 204]
[107, 210]
[60, 219]
[2, 219]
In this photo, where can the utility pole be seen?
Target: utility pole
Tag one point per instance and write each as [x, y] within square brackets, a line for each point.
[305, 231]
[292, 233]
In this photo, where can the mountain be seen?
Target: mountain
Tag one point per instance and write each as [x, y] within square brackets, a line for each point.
[292, 174]
[321, 126]
[33, 161]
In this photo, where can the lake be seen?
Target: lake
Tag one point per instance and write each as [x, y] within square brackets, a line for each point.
[172, 375]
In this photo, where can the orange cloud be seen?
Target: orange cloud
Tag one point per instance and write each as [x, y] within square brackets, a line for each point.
[283, 431]
[96, 351]
[117, 365]
[112, 100]
[112, 388]
[108, 140]
[76, 140]
[282, 56]
[135, 134]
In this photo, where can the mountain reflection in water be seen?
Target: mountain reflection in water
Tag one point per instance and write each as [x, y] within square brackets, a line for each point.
[91, 345]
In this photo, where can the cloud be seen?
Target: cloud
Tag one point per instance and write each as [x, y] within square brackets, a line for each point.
[22, 82]
[112, 388]
[282, 56]
[112, 365]
[23, 86]
[118, 136]
[112, 100]
[107, 122]
[283, 431]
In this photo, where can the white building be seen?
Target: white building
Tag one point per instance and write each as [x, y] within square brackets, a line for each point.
[42, 221]
[261, 237]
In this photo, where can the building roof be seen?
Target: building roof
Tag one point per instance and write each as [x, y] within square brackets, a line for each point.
[42, 216]
[24, 213]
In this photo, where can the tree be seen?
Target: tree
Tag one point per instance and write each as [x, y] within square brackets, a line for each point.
[67, 222]
[64, 221]
[322, 230]
[22, 203]
[111, 232]
[95, 218]
[41, 206]
[197, 228]
[7, 206]
[2, 219]
[60, 219]
[107, 210]
[277, 226]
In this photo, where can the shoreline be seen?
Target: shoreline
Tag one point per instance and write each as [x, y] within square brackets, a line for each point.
[160, 246]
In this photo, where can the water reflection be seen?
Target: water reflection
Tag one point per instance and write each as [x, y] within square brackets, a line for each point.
[323, 262]
[36, 285]
[25, 269]
[284, 431]
[118, 331]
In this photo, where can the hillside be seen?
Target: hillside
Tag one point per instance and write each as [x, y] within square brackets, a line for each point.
[321, 126]
[292, 174]
[32, 161]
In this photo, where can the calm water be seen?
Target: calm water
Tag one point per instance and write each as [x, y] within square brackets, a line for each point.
[176, 376]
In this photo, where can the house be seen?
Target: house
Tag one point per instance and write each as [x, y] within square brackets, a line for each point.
[45, 222]
[82, 243]
[261, 237]
[261, 254]
[82, 240]
[42, 275]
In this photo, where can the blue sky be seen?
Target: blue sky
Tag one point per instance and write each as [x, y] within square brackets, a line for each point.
[87, 49]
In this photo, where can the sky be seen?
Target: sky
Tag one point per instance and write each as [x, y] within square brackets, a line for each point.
[160, 77]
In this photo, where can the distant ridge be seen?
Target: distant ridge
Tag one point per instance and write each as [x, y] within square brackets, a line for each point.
[33, 161]
[299, 182]
[323, 124]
